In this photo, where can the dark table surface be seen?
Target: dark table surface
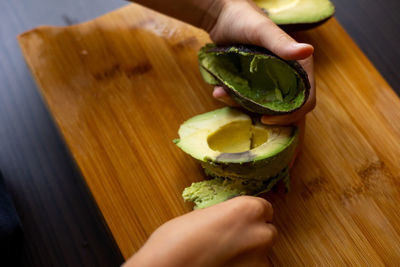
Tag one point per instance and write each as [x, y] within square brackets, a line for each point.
[62, 225]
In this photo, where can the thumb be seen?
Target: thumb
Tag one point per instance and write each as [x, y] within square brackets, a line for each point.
[266, 33]
[244, 22]
[270, 36]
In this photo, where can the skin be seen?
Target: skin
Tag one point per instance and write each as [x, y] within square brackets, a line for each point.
[237, 232]
[240, 21]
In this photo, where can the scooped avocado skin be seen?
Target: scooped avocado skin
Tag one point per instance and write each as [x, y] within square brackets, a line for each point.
[276, 94]
[251, 166]
[253, 106]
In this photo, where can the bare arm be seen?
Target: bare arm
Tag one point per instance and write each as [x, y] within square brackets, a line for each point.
[234, 233]
[200, 13]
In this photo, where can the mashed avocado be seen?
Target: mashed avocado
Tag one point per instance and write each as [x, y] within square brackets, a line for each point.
[210, 192]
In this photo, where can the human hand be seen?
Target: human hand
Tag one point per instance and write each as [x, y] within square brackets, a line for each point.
[241, 21]
[237, 232]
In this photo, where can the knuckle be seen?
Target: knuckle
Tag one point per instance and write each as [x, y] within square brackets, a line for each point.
[256, 32]
[313, 104]
[272, 235]
[273, 232]
[252, 35]
[281, 39]
[255, 208]
[264, 237]
[269, 235]
[308, 107]
[252, 207]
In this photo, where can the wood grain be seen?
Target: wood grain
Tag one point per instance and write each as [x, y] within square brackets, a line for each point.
[62, 225]
[120, 86]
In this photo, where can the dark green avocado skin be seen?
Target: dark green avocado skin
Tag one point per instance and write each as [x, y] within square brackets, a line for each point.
[246, 102]
[290, 28]
[296, 27]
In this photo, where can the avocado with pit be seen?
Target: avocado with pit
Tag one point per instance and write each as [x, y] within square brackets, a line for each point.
[255, 78]
[244, 156]
[297, 14]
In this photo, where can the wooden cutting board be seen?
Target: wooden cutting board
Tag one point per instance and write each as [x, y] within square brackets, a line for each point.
[119, 86]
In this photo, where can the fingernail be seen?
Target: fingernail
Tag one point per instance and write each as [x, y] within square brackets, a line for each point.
[275, 120]
[267, 119]
[300, 45]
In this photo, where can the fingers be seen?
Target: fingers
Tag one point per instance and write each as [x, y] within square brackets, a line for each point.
[283, 119]
[301, 126]
[272, 37]
[220, 94]
[251, 208]
[308, 66]
[287, 119]
[259, 208]
[244, 230]
[264, 236]
[254, 215]
[259, 240]
[244, 22]
[279, 42]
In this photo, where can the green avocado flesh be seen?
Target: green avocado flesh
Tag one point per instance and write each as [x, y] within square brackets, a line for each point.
[262, 83]
[284, 12]
[210, 192]
[245, 156]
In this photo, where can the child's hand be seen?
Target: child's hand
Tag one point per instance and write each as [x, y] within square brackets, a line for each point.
[237, 232]
[241, 21]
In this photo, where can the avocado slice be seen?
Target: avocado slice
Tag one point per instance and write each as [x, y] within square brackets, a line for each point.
[210, 192]
[254, 77]
[297, 14]
[245, 156]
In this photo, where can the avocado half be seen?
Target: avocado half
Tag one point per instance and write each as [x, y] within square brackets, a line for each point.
[297, 14]
[255, 78]
[245, 156]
